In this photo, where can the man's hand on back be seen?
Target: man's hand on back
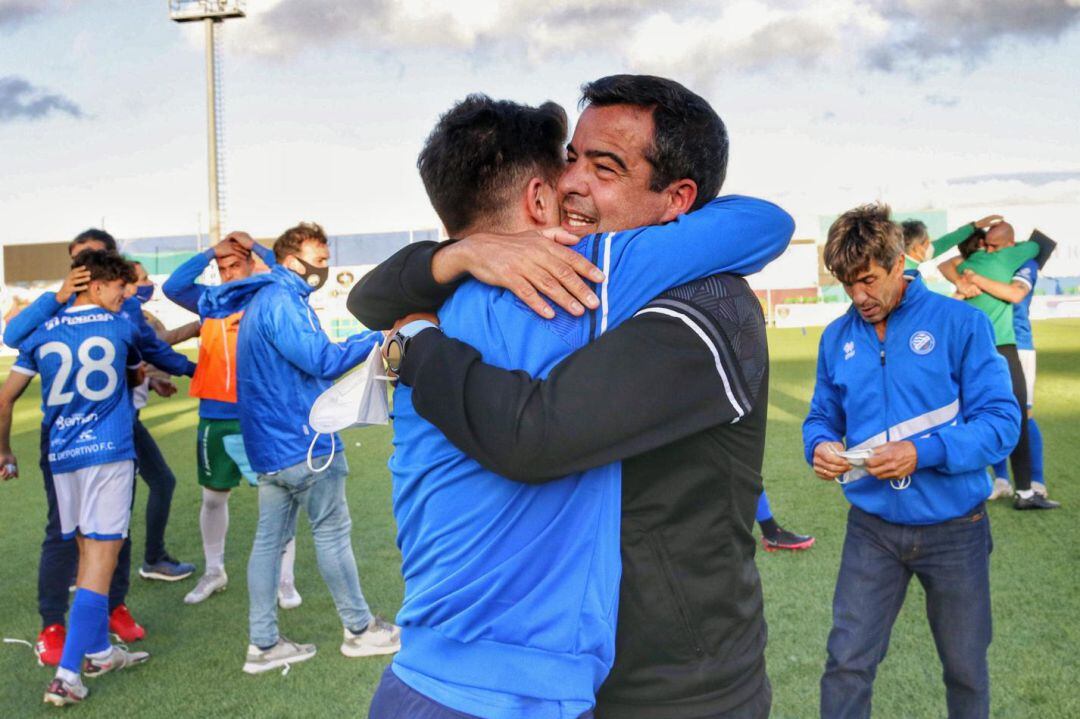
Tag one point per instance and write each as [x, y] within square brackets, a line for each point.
[893, 460]
[230, 246]
[828, 464]
[529, 264]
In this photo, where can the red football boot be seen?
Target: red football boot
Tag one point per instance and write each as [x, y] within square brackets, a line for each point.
[123, 625]
[50, 645]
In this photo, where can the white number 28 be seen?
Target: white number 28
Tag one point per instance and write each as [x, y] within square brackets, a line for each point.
[88, 366]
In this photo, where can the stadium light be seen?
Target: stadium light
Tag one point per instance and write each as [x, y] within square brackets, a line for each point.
[210, 13]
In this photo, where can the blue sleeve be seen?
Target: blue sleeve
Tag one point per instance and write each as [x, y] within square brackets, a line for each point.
[158, 352]
[734, 234]
[23, 324]
[265, 254]
[826, 421]
[26, 362]
[1028, 274]
[990, 425]
[181, 287]
[293, 332]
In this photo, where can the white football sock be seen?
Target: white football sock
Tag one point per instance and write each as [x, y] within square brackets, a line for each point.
[214, 525]
[288, 559]
[67, 675]
[1026, 493]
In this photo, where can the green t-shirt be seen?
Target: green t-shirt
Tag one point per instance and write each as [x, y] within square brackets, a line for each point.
[999, 266]
[943, 244]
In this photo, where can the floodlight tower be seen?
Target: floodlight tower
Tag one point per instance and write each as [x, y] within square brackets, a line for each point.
[210, 13]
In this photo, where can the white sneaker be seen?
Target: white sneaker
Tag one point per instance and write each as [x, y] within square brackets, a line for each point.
[208, 584]
[1002, 488]
[380, 637]
[282, 653]
[1039, 488]
[119, 658]
[288, 597]
[61, 693]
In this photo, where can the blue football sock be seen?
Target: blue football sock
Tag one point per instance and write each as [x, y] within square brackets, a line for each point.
[1001, 469]
[764, 511]
[88, 610]
[1036, 444]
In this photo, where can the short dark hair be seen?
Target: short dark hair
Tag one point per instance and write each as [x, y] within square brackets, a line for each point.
[689, 138]
[481, 152]
[93, 235]
[914, 233]
[293, 238]
[972, 244]
[860, 235]
[105, 265]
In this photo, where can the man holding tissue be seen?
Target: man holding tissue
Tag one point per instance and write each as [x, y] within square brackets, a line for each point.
[284, 362]
[910, 381]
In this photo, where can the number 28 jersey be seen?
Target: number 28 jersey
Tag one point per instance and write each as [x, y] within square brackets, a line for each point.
[82, 355]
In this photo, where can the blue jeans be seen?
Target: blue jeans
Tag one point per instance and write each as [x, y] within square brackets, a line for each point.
[322, 495]
[394, 699]
[952, 561]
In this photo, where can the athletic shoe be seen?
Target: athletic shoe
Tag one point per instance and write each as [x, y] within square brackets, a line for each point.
[60, 692]
[1035, 501]
[288, 597]
[1002, 488]
[784, 539]
[208, 584]
[123, 625]
[167, 569]
[279, 655]
[1039, 488]
[119, 658]
[50, 645]
[380, 637]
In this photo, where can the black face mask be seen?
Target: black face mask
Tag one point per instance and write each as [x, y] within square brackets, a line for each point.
[314, 276]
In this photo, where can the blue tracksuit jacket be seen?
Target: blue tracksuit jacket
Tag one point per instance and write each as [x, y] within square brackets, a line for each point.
[936, 380]
[511, 589]
[182, 288]
[284, 361]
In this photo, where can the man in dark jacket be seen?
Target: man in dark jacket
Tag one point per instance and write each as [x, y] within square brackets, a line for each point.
[680, 390]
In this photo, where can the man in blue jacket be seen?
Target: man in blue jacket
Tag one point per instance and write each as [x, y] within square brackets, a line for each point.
[59, 558]
[214, 384]
[910, 383]
[284, 362]
[511, 590]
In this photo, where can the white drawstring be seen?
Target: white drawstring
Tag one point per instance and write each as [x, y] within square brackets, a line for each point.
[900, 484]
[311, 449]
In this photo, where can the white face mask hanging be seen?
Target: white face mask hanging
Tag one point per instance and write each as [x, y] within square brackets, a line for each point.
[357, 400]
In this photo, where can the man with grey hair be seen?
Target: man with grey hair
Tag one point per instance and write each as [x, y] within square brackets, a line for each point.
[910, 454]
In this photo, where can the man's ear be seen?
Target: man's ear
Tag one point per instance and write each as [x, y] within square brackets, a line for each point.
[539, 196]
[680, 196]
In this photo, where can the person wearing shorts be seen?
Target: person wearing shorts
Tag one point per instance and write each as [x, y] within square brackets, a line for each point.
[214, 384]
[84, 356]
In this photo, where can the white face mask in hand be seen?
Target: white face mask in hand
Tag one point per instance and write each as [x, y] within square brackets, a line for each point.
[358, 400]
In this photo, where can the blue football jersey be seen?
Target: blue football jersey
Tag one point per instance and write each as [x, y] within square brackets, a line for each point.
[1029, 275]
[82, 355]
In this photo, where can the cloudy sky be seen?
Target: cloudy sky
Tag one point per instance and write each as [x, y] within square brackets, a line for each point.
[955, 104]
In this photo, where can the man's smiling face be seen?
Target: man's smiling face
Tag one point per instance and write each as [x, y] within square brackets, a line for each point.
[605, 185]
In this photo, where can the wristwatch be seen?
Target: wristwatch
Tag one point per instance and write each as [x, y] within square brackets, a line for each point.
[395, 350]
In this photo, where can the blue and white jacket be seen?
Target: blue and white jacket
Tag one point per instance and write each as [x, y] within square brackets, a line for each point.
[938, 381]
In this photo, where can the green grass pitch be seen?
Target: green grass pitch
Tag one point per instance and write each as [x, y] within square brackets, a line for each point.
[198, 651]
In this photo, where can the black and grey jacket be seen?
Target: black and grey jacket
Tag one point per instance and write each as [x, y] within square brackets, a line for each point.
[679, 394]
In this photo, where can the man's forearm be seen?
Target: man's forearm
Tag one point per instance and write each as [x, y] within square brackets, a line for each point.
[400, 286]
[615, 398]
[6, 412]
[1004, 291]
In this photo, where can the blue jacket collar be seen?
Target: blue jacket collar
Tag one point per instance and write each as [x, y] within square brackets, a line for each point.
[290, 279]
[231, 297]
